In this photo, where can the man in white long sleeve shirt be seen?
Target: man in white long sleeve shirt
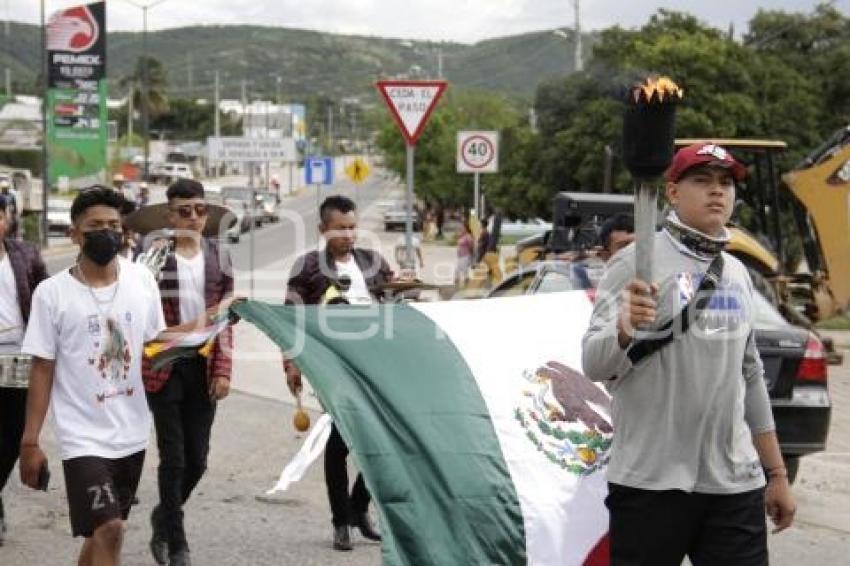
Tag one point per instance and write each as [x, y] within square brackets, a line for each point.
[693, 422]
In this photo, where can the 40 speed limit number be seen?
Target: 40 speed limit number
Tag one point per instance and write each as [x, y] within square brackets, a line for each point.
[478, 152]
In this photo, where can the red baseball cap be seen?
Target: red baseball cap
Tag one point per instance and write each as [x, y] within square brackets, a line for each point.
[709, 154]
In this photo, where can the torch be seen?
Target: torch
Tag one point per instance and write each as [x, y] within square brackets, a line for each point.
[649, 125]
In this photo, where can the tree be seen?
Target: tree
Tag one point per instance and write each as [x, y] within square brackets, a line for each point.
[157, 86]
[436, 179]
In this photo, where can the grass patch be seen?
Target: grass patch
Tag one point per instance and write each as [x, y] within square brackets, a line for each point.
[840, 322]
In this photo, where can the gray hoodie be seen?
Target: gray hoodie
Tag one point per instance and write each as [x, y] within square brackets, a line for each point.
[684, 416]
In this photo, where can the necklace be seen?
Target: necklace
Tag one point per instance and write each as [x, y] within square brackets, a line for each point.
[98, 302]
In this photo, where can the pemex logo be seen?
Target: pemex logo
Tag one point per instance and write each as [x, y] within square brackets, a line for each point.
[74, 30]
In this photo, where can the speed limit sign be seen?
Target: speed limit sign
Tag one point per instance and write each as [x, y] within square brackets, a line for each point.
[478, 152]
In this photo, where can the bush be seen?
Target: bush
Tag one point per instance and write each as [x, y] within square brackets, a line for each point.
[22, 159]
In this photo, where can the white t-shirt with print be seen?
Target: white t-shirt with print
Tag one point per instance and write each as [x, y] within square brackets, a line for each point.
[98, 401]
[358, 292]
[11, 321]
[190, 274]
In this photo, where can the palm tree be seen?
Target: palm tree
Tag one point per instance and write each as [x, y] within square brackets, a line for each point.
[157, 85]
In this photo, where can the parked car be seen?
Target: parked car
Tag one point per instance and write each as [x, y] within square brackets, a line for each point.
[795, 365]
[524, 228]
[58, 216]
[267, 203]
[170, 172]
[396, 217]
[243, 218]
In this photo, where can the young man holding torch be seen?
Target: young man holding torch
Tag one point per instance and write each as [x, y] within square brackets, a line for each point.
[694, 431]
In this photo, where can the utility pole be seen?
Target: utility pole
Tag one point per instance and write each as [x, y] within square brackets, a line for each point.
[45, 166]
[145, 99]
[8, 47]
[216, 102]
[440, 63]
[130, 109]
[216, 119]
[331, 128]
[354, 136]
[579, 63]
[189, 78]
[145, 94]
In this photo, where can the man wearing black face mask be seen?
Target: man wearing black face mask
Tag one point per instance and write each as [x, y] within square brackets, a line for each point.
[87, 328]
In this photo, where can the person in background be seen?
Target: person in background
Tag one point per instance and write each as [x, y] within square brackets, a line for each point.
[143, 198]
[11, 197]
[400, 253]
[21, 270]
[615, 234]
[483, 243]
[465, 248]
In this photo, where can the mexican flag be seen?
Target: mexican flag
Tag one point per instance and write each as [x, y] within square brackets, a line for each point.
[479, 438]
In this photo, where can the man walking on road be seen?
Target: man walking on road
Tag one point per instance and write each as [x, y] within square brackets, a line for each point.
[692, 420]
[21, 270]
[86, 332]
[311, 277]
[183, 397]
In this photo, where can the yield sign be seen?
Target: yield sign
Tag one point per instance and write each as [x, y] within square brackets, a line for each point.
[411, 103]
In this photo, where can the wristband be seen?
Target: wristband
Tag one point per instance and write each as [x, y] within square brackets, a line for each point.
[779, 471]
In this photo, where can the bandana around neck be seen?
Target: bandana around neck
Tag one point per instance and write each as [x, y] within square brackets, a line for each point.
[694, 241]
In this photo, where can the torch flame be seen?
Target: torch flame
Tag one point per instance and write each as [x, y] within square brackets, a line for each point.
[655, 86]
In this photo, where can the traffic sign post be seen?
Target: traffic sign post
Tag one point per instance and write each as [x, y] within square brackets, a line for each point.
[477, 152]
[411, 104]
[319, 171]
[358, 170]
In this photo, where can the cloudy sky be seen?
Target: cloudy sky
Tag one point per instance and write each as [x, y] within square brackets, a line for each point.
[456, 20]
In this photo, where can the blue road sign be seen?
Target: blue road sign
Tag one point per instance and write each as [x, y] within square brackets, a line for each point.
[319, 170]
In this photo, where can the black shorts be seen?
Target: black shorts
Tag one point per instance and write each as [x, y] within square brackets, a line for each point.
[100, 489]
[660, 528]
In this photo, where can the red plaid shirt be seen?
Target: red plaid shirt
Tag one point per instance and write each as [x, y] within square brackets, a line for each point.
[218, 285]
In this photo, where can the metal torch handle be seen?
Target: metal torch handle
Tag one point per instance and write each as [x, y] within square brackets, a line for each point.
[645, 220]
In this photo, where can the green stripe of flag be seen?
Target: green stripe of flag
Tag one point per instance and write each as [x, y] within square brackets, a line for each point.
[410, 411]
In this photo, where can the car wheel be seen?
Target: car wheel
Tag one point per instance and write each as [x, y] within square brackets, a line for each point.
[233, 239]
[792, 464]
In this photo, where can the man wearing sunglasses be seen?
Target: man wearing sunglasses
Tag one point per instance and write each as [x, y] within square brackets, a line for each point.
[183, 397]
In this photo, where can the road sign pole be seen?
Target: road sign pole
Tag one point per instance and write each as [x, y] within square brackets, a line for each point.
[477, 203]
[251, 238]
[291, 178]
[318, 212]
[408, 229]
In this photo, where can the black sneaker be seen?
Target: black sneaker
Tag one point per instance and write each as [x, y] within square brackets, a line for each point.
[159, 543]
[2, 523]
[342, 538]
[366, 527]
[180, 558]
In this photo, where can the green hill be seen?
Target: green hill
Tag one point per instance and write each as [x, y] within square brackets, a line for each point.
[311, 63]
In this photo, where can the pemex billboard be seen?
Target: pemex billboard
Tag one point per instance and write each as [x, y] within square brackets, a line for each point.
[76, 95]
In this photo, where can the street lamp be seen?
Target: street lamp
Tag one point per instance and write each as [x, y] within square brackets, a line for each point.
[578, 64]
[145, 78]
